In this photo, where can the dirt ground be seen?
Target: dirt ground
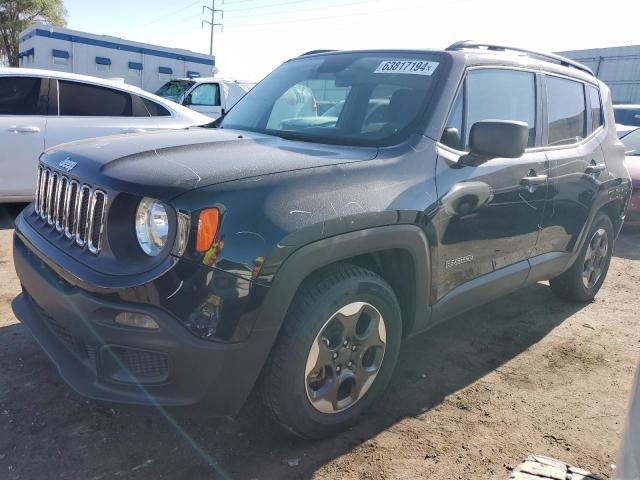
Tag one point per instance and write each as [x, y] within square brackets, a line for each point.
[524, 374]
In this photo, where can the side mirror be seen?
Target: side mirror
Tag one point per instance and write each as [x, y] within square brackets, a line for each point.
[187, 101]
[498, 138]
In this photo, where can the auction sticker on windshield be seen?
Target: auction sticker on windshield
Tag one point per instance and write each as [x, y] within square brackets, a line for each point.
[412, 67]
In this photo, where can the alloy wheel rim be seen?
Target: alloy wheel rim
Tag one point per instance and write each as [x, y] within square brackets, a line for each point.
[345, 358]
[595, 258]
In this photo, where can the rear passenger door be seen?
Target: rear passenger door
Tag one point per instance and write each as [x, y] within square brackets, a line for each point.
[86, 111]
[23, 104]
[573, 123]
[490, 214]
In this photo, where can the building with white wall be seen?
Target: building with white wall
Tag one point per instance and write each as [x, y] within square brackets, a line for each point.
[145, 66]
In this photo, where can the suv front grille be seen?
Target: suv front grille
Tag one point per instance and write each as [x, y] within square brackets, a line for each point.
[75, 210]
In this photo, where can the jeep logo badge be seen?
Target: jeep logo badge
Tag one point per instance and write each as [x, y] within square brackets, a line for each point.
[67, 164]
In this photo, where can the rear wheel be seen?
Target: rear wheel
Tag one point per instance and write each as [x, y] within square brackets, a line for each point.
[583, 280]
[335, 354]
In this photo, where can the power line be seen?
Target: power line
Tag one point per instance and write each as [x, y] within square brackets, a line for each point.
[172, 13]
[313, 19]
[187, 19]
[239, 1]
[267, 6]
[309, 9]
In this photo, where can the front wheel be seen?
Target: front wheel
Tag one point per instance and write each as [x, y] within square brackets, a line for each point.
[583, 280]
[335, 354]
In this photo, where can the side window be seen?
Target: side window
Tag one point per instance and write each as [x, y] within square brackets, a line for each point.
[138, 107]
[143, 107]
[566, 111]
[501, 94]
[595, 109]
[155, 109]
[84, 100]
[20, 96]
[452, 135]
[207, 94]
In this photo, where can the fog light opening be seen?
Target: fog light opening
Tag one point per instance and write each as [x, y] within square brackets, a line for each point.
[136, 320]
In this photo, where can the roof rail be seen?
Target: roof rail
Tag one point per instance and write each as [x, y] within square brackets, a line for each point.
[313, 52]
[551, 57]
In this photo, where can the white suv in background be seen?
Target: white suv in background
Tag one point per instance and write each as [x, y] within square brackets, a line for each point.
[40, 109]
[210, 96]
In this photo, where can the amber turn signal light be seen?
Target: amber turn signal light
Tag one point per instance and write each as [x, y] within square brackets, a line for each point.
[207, 228]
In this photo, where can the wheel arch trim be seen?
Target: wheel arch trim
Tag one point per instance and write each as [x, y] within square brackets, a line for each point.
[311, 257]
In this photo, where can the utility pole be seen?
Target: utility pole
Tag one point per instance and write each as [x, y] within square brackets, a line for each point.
[212, 23]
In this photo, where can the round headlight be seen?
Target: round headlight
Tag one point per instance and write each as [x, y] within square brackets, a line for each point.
[152, 226]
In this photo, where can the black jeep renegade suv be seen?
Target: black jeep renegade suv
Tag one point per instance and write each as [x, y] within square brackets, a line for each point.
[347, 202]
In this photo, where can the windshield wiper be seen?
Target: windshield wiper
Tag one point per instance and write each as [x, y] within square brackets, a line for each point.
[293, 136]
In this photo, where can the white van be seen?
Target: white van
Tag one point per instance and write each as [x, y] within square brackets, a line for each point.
[209, 96]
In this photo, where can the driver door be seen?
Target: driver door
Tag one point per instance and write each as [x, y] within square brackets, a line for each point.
[205, 99]
[490, 213]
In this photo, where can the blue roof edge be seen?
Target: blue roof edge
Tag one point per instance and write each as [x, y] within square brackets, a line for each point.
[117, 46]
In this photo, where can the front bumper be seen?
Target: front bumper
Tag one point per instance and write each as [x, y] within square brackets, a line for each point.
[99, 359]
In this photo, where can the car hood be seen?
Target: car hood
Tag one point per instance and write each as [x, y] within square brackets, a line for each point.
[173, 98]
[168, 163]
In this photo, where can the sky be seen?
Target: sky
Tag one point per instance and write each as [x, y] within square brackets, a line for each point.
[258, 35]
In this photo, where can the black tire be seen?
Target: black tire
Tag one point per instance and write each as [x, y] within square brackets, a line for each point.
[283, 385]
[570, 285]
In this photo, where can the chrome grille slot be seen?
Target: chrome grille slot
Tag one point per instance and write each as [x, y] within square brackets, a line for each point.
[82, 215]
[38, 183]
[70, 208]
[96, 220]
[51, 197]
[60, 198]
[43, 194]
[75, 209]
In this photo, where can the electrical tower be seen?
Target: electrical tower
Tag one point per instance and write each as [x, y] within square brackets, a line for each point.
[212, 23]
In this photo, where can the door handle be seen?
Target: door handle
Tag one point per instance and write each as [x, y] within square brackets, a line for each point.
[593, 168]
[27, 129]
[133, 130]
[534, 180]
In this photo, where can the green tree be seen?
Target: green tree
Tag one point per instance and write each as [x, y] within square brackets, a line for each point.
[16, 15]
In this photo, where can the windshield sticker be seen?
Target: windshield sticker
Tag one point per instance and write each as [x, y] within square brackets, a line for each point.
[412, 67]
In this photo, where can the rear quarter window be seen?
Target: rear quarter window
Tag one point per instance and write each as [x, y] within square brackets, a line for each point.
[155, 109]
[595, 109]
[143, 107]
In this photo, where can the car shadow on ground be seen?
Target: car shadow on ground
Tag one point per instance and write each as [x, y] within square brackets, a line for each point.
[53, 432]
[8, 214]
[628, 244]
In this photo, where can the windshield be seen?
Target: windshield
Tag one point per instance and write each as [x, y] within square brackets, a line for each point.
[627, 116]
[632, 142]
[372, 99]
[174, 89]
